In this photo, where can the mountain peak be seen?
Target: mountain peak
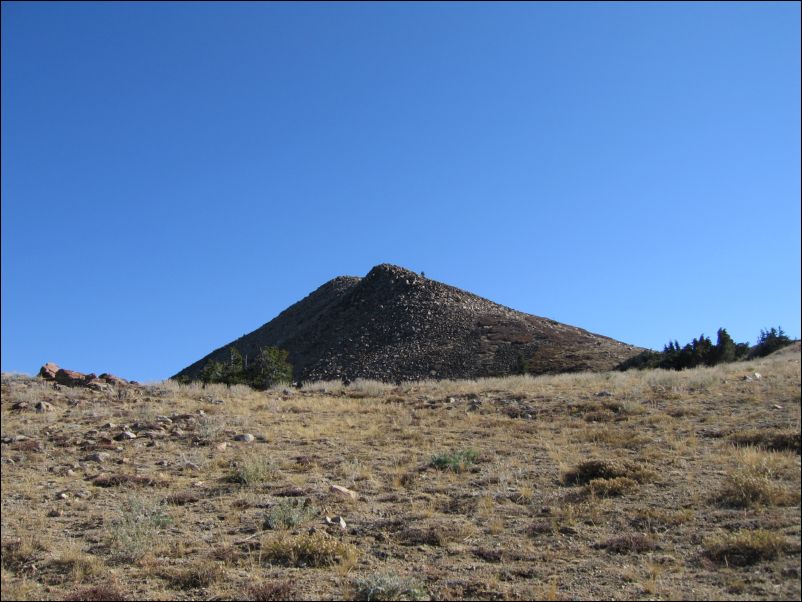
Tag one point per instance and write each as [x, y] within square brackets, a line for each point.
[394, 324]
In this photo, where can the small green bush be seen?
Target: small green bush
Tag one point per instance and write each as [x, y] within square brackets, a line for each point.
[251, 470]
[289, 513]
[458, 461]
[136, 528]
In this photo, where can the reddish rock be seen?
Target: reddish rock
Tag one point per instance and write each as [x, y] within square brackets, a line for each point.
[71, 378]
[113, 380]
[48, 371]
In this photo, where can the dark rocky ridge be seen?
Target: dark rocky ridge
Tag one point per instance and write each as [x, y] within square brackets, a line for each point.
[395, 325]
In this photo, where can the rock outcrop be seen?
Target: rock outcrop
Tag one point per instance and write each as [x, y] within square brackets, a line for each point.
[71, 378]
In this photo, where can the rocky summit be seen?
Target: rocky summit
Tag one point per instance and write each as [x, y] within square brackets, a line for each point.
[395, 325]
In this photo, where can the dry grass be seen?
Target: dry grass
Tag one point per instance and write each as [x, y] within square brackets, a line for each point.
[511, 488]
[745, 547]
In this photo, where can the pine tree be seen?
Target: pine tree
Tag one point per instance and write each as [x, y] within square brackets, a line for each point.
[270, 368]
[212, 372]
[725, 350]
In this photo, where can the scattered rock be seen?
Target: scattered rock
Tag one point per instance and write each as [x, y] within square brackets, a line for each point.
[245, 438]
[604, 394]
[113, 380]
[336, 521]
[44, 406]
[125, 436]
[20, 406]
[96, 384]
[221, 447]
[342, 492]
[99, 457]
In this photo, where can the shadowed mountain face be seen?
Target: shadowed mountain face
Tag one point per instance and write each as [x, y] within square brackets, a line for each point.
[395, 325]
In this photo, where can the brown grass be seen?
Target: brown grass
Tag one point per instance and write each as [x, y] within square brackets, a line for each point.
[670, 485]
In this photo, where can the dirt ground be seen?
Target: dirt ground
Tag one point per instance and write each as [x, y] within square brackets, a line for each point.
[640, 485]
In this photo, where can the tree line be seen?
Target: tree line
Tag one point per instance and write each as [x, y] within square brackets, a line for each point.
[702, 351]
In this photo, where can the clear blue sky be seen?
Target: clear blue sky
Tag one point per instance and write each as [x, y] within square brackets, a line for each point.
[175, 175]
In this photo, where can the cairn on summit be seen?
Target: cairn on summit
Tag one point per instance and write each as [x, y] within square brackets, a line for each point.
[395, 325]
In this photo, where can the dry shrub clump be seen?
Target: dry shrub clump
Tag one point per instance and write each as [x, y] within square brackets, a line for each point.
[744, 547]
[769, 439]
[757, 480]
[115, 480]
[438, 534]
[587, 471]
[198, 574]
[252, 469]
[97, 593]
[636, 543]
[135, 530]
[388, 586]
[267, 591]
[309, 549]
[612, 487]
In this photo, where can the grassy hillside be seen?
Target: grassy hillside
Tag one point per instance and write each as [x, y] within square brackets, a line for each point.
[638, 485]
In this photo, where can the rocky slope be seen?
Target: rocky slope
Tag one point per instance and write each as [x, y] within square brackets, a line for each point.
[395, 325]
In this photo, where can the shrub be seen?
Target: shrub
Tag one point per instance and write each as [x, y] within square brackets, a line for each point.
[744, 547]
[756, 479]
[746, 488]
[587, 471]
[309, 549]
[289, 513]
[769, 439]
[612, 487]
[135, 530]
[636, 543]
[251, 470]
[199, 574]
[267, 591]
[458, 461]
[98, 593]
[388, 586]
